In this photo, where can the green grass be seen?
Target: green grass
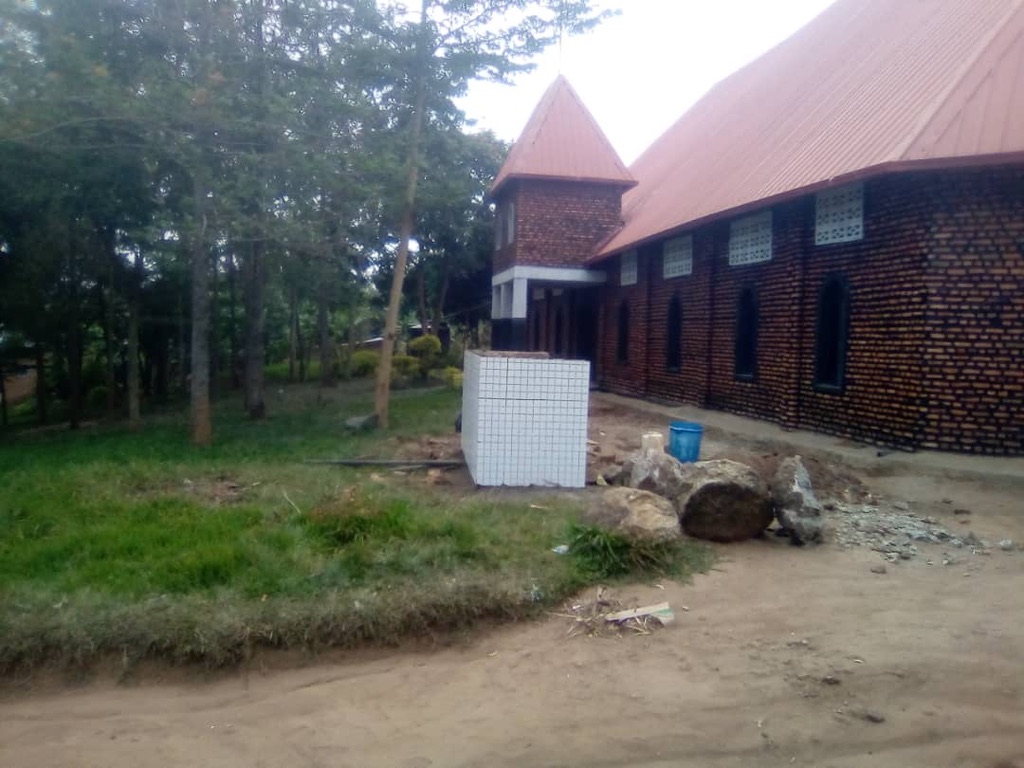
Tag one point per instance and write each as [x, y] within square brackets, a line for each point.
[139, 545]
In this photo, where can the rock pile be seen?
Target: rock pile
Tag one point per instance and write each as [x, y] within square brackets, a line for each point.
[725, 501]
[636, 514]
[892, 530]
[796, 507]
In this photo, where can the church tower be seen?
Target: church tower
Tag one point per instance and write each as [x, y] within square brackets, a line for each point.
[558, 196]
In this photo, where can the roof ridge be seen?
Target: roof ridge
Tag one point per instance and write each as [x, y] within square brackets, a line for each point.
[929, 114]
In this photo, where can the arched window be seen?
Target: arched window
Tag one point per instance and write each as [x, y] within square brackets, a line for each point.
[674, 335]
[746, 334]
[832, 334]
[622, 349]
[558, 331]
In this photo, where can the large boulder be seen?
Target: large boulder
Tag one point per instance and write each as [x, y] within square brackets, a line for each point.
[636, 514]
[657, 472]
[796, 507]
[723, 501]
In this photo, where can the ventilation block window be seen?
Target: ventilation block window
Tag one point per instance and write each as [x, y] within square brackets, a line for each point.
[746, 335]
[832, 334]
[677, 257]
[622, 341]
[628, 273]
[839, 215]
[750, 239]
[674, 335]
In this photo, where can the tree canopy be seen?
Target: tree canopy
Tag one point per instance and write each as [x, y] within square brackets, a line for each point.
[192, 189]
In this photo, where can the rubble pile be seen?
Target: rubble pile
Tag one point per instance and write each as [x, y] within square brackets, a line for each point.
[896, 533]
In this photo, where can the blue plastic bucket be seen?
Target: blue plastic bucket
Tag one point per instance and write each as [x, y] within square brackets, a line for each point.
[684, 440]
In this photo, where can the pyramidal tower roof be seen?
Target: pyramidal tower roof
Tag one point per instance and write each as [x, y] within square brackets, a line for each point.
[563, 142]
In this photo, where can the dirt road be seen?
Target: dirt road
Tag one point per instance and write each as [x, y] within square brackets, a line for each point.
[742, 679]
[781, 656]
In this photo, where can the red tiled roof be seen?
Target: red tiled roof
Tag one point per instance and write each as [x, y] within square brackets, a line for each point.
[563, 141]
[867, 87]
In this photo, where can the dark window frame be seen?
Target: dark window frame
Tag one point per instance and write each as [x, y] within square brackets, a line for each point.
[674, 335]
[838, 336]
[622, 337]
[748, 328]
[558, 344]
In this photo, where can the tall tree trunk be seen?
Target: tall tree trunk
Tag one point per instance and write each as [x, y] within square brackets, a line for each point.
[74, 340]
[351, 346]
[110, 378]
[134, 388]
[236, 381]
[293, 321]
[75, 367]
[255, 282]
[183, 349]
[216, 355]
[40, 381]
[301, 349]
[421, 297]
[323, 317]
[162, 371]
[201, 423]
[387, 350]
[442, 295]
[3, 396]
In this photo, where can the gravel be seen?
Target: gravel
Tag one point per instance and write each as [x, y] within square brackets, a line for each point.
[896, 533]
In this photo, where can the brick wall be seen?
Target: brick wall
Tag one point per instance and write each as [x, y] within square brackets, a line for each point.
[944, 373]
[882, 400]
[559, 223]
[772, 393]
[974, 349]
[624, 378]
[689, 383]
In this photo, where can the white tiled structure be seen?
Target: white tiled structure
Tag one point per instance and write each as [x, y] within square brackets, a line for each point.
[524, 420]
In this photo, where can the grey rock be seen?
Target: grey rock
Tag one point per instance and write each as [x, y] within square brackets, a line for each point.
[657, 472]
[361, 423]
[879, 569]
[723, 501]
[796, 507]
[636, 514]
[1007, 545]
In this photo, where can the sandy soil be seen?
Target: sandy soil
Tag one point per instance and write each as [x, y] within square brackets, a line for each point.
[781, 656]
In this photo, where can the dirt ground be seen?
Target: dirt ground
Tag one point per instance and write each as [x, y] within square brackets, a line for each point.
[780, 656]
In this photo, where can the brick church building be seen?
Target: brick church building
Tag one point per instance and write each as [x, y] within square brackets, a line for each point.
[831, 239]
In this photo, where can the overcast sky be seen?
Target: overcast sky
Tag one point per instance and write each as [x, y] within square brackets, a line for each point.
[638, 72]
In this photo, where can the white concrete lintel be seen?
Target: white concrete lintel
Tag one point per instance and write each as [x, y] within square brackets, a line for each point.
[551, 275]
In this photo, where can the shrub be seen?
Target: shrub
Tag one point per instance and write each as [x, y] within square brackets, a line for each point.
[447, 377]
[426, 349]
[452, 358]
[364, 363]
[404, 366]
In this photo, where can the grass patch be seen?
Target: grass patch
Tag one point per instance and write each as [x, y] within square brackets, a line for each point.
[602, 555]
[138, 545]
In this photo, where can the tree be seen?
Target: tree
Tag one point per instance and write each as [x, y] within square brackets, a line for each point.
[451, 43]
